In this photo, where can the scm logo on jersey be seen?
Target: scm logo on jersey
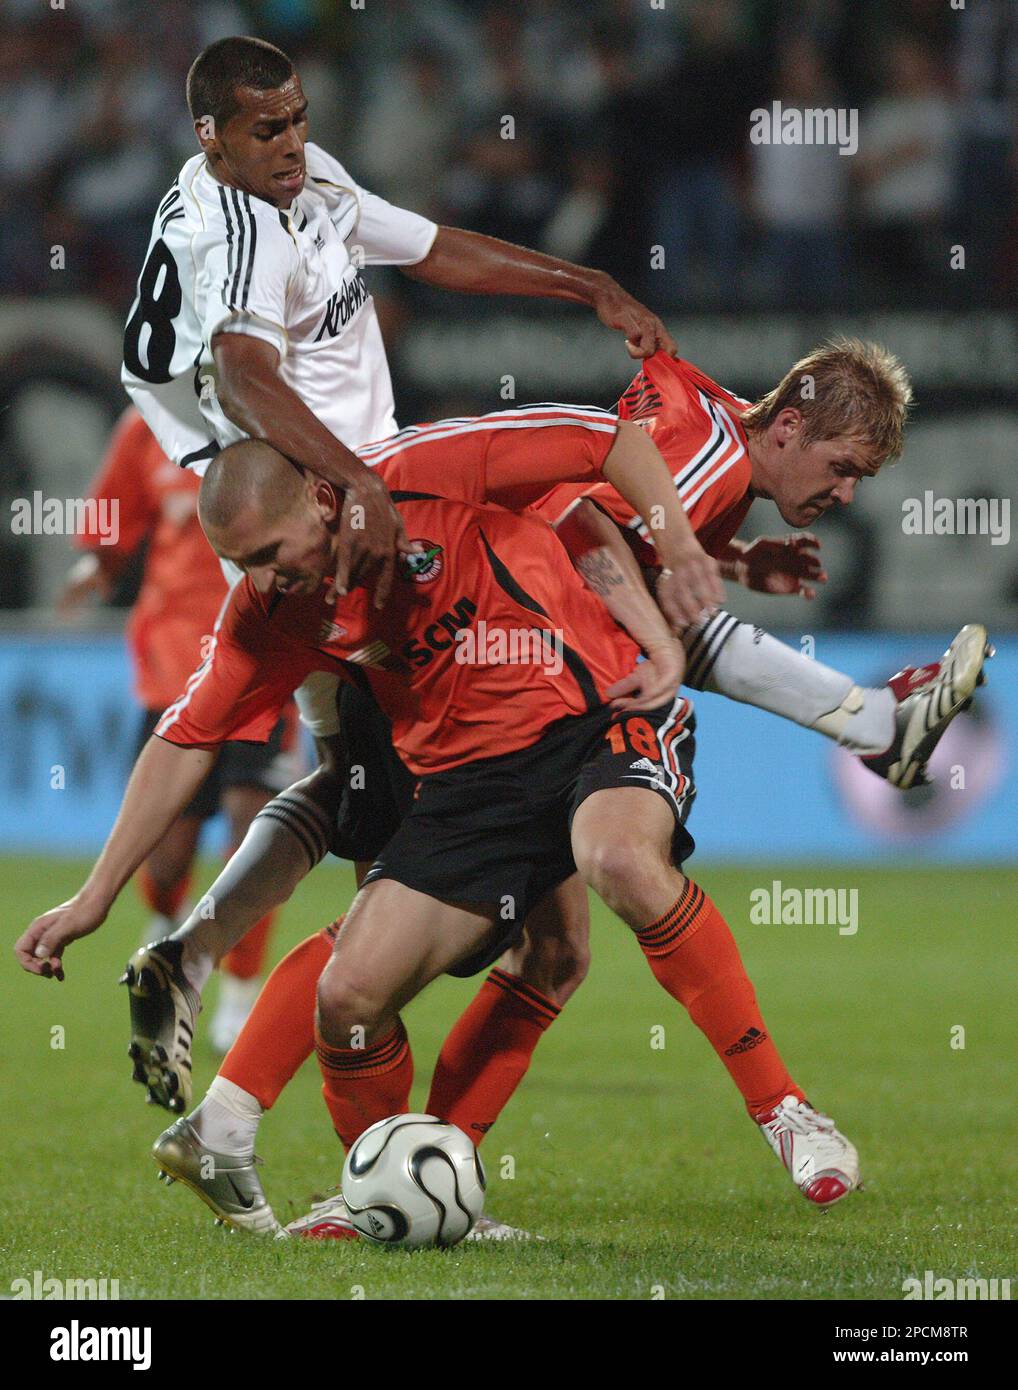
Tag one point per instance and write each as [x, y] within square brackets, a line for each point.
[425, 565]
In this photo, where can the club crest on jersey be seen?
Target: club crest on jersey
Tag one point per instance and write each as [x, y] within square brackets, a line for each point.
[425, 565]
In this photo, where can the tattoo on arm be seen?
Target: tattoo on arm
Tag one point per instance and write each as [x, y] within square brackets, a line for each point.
[600, 571]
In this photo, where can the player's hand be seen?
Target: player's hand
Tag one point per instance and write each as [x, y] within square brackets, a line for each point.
[645, 333]
[371, 534]
[689, 589]
[653, 681]
[40, 949]
[781, 565]
[84, 580]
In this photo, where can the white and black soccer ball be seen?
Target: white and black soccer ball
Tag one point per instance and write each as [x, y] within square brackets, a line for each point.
[413, 1180]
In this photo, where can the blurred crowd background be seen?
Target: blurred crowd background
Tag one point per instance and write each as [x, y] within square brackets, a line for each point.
[631, 129]
[630, 150]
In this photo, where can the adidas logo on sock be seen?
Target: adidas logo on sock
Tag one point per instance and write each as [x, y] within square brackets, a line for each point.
[750, 1039]
[645, 765]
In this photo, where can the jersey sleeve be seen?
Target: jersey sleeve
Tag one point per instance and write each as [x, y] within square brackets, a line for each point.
[239, 691]
[122, 483]
[248, 257]
[510, 458]
[390, 235]
[385, 234]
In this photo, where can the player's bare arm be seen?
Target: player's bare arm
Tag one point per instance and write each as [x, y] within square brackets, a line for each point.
[164, 780]
[775, 564]
[608, 567]
[258, 401]
[690, 583]
[476, 264]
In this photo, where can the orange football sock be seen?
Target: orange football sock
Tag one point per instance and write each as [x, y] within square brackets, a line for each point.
[487, 1054]
[693, 955]
[362, 1085]
[162, 898]
[245, 960]
[280, 1030]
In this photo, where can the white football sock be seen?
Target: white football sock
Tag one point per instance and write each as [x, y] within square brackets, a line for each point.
[747, 664]
[227, 1119]
[286, 839]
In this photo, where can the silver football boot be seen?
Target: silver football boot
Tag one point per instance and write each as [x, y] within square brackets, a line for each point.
[228, 1185]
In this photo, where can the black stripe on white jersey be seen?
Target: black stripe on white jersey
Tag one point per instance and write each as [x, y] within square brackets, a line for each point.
[241, 239]
[246, 231]
[209, 452]
[168, 210]
[229, 241]
[169, 200]
[246, 198]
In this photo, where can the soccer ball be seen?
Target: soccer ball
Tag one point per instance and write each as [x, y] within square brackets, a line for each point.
[412, 1180]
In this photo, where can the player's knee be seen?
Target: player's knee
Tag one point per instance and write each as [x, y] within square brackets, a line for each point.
[611, 864]
[347, 1003]
[628, 873]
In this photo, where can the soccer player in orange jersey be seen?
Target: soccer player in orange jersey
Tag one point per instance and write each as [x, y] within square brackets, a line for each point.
[520, 772]
[170, 626]
[719, 467]
[834, 420]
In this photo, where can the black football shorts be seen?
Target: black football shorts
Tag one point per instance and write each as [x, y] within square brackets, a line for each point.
[497, 831]
[378, 791]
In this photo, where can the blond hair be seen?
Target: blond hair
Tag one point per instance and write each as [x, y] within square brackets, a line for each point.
[845, 387]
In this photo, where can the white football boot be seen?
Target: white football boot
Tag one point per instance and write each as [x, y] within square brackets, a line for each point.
[822, 1163]
[928, 699]
[487, 1228]
[328, 1219]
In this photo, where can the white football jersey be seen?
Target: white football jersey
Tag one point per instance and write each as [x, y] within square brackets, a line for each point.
[220, 260]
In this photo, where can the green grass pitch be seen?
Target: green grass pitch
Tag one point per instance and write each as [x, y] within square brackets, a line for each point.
[638, 1164]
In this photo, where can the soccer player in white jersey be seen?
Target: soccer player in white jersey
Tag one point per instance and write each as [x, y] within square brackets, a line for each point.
[252, 318]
